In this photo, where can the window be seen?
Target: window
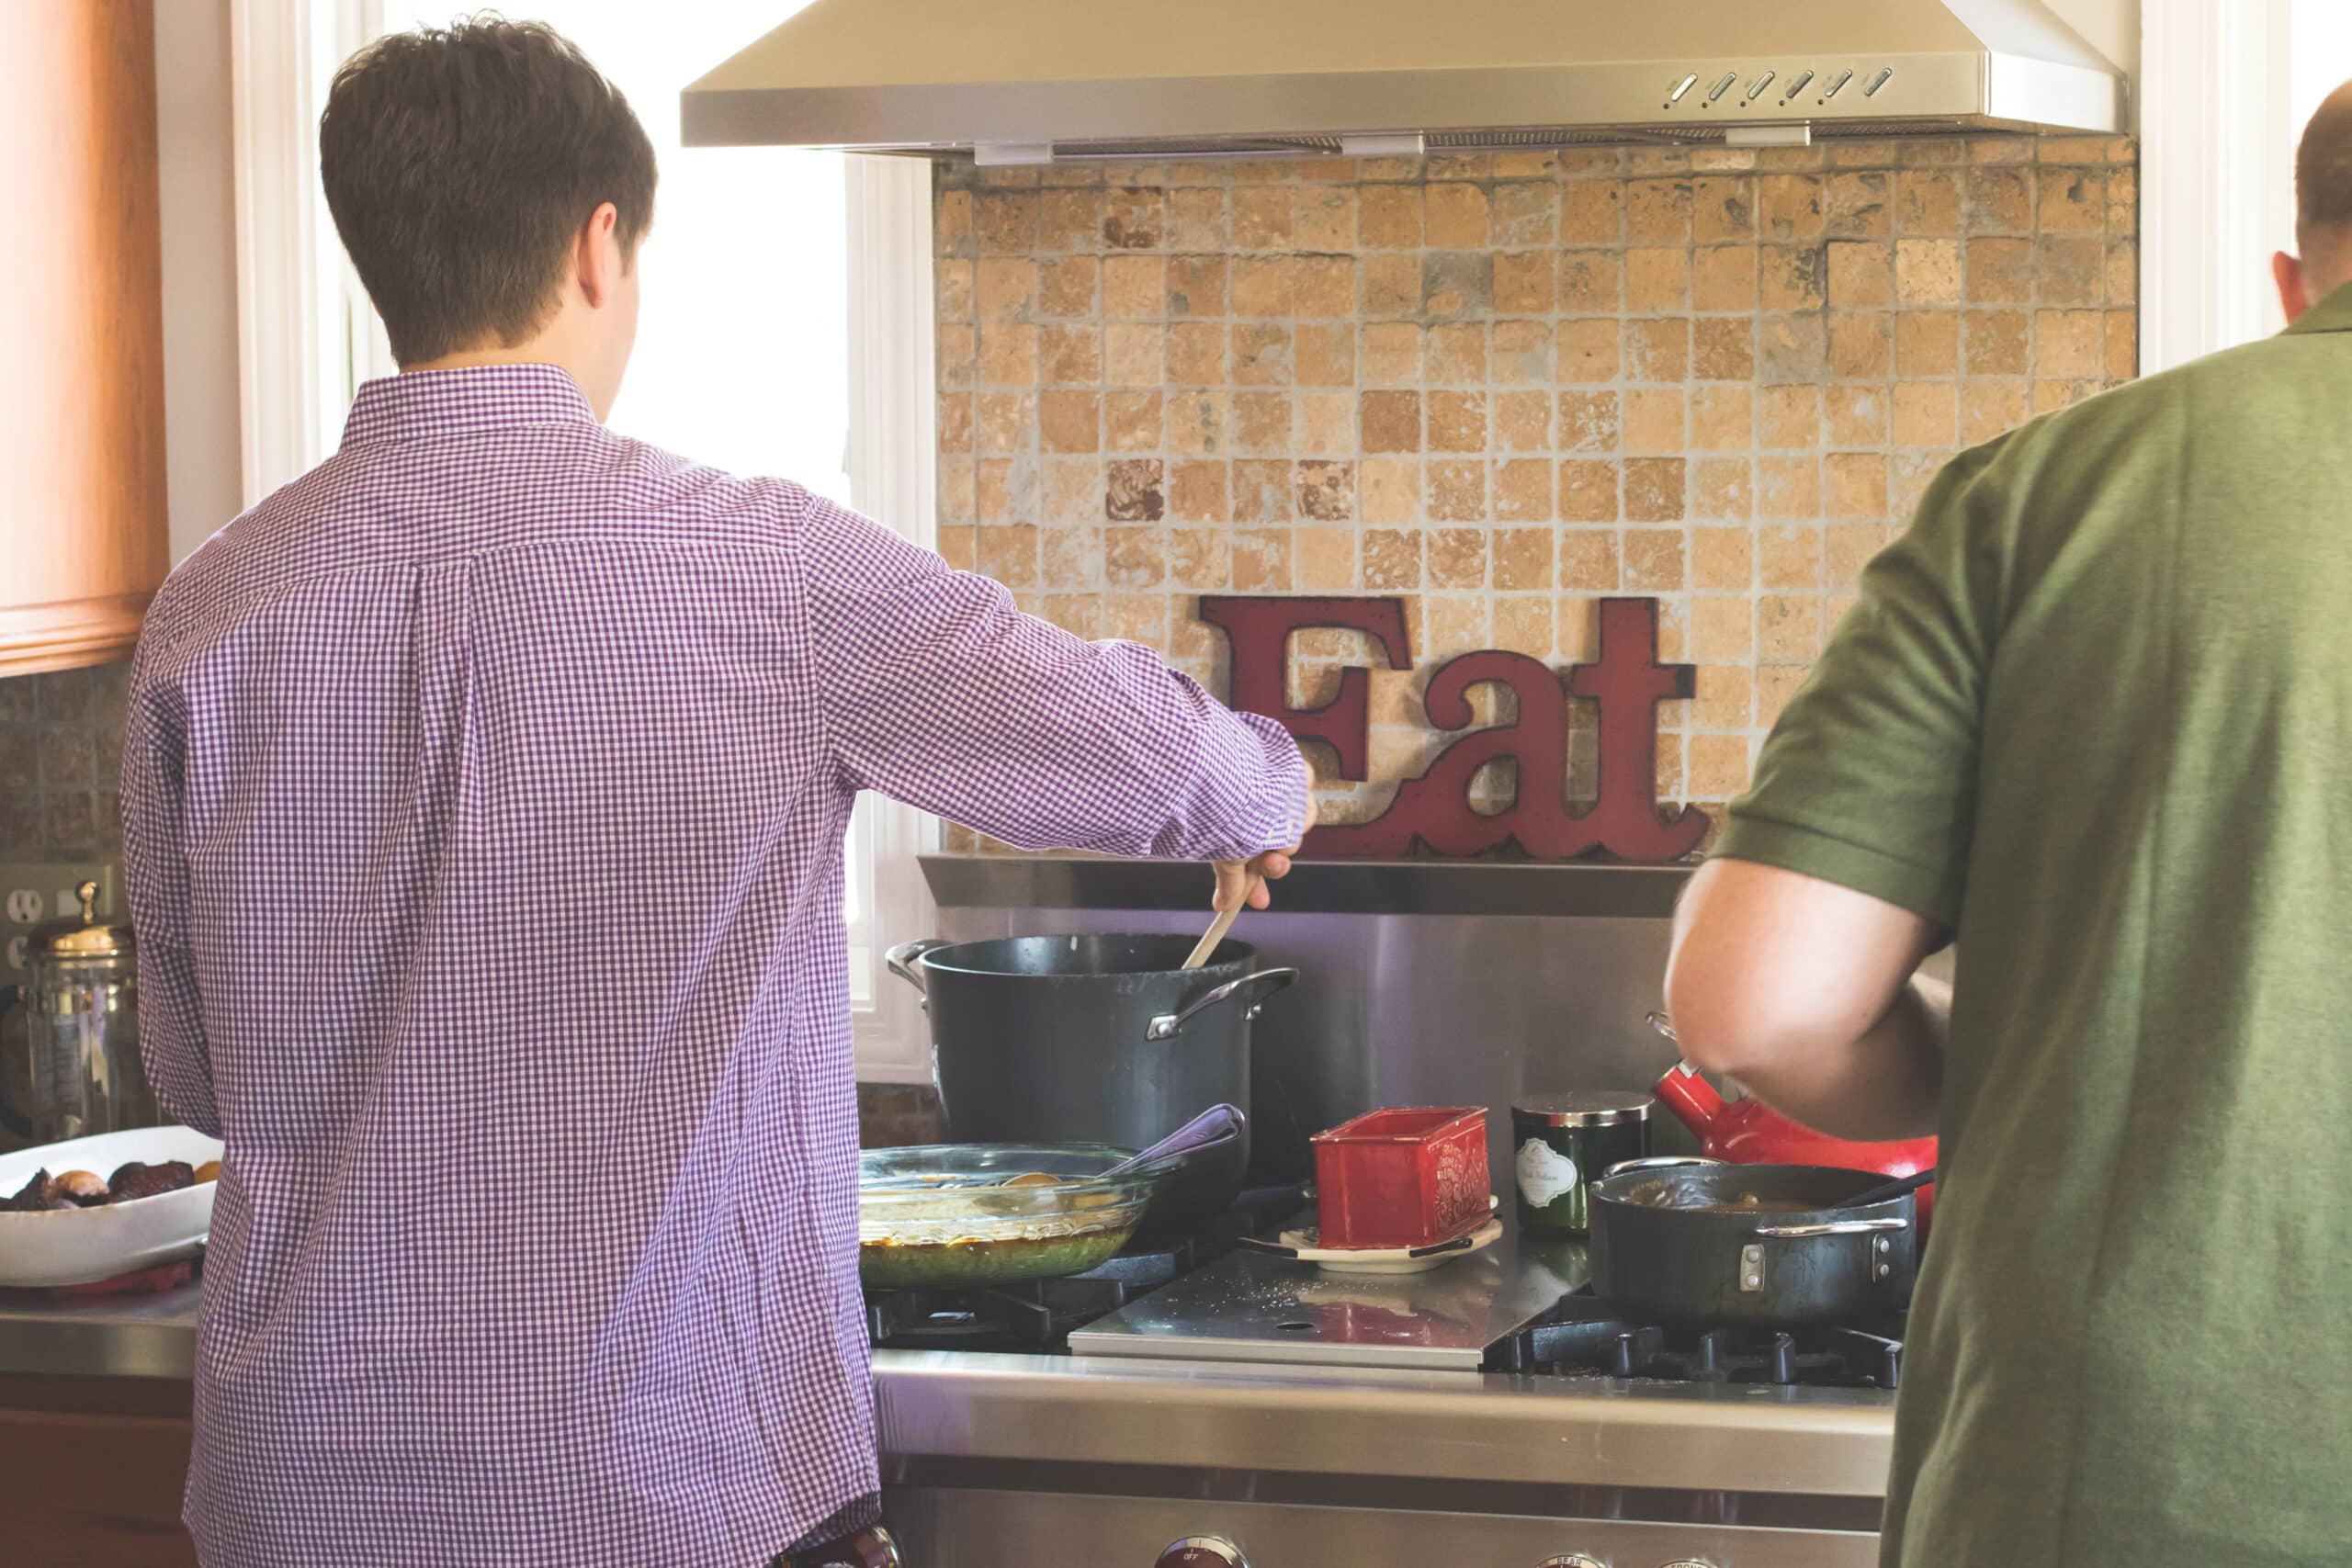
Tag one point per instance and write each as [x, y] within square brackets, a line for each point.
[742, 356]
[2320, 46]
[785, 330]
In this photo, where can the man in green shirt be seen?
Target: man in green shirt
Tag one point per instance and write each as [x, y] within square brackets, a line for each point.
[2092, 723]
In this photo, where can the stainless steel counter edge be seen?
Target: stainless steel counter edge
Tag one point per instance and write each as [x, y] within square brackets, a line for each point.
[154, 1337]
[1356, 1421]
[1337, 1420]
[1580, 889]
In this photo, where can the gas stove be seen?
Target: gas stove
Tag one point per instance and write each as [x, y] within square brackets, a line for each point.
[1038, 1315]
[1274, 1414]
[1587, 1335]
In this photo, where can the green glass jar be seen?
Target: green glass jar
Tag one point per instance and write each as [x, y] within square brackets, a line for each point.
[1563, 1143]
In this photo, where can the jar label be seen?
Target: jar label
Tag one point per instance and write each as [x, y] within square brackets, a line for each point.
[1544, 1173]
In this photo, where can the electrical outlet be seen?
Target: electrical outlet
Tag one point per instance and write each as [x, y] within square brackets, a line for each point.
[32, 894]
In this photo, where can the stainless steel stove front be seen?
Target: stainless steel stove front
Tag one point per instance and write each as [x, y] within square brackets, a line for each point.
[966, 1527]
[1015, 1461]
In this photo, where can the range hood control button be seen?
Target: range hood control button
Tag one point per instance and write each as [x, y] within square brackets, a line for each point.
[1756, 88]
[1722, 87]
[1870, 88]
[1680, 89]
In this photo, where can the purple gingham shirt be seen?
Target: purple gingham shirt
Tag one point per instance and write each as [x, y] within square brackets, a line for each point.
[483, 800]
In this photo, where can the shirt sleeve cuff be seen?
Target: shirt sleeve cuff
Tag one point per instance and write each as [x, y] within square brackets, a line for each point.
[1929, 892]
[1284, 804]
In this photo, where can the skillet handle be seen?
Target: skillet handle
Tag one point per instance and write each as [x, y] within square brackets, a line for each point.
[1835, 1228]
[905, 960]
[1261, 985]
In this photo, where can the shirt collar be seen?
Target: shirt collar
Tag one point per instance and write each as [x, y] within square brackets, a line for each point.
[2333, 314]
[423, 403]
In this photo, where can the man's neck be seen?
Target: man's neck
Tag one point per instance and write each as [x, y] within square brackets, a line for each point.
[532, 352]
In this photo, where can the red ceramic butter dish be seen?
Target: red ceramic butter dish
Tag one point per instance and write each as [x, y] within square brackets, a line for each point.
[1407, 1177]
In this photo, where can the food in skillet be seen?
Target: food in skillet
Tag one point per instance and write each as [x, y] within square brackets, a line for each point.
[83, 1190]
[1668, 1195]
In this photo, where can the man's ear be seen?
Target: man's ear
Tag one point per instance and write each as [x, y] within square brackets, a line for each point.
[2293, 298]
[596, 254]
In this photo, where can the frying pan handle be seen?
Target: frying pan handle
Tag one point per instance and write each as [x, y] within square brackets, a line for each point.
[1833, 1227]
[1259, 986]
[906, 959]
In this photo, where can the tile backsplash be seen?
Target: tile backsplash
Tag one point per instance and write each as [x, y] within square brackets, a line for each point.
[60, 760]
[891, 1115]
[1503, 387]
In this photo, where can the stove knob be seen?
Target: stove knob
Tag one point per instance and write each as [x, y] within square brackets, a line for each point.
[1202, 1552]
[1688, 1562]
[1573, 1559]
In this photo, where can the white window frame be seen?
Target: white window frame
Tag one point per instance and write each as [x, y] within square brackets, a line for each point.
[893, 461]
[272, 45]
[306, 337]
[2216, 180]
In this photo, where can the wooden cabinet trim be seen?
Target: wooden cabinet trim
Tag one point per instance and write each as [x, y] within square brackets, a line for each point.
[83, 487]
[34, 637]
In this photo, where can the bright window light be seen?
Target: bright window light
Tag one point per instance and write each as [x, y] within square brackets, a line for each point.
[742, 355]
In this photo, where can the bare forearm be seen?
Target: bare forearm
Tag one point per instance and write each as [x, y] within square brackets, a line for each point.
[1809, 994]
[1885, 1083]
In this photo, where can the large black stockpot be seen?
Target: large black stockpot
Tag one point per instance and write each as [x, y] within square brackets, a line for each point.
[1095, 1039]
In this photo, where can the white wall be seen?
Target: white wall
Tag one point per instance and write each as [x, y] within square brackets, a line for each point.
[200, 434]
[2112, 26]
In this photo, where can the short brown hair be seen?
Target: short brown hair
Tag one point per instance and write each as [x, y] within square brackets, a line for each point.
[2323, 185]
[460, 163]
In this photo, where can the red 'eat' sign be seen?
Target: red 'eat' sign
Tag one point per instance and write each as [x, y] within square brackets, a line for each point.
[1434, 812]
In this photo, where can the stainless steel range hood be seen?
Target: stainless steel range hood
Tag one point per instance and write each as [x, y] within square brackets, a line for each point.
[1027, 80]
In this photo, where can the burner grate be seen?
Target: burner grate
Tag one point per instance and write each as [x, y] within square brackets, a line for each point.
[1038, 1315]
[1589, 1336]
[1032, 1316]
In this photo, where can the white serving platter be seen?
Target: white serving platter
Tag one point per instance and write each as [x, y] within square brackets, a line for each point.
[78, 1246]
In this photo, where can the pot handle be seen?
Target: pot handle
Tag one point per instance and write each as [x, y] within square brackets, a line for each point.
[1167, 1025]
[1656, 1162]
[905, 960]
[1833, 1227]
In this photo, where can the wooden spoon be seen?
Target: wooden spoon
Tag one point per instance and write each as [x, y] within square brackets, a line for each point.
[1223, 923]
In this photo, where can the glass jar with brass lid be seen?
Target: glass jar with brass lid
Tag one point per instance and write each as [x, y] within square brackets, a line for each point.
[1563, 1143]
[82, 1029]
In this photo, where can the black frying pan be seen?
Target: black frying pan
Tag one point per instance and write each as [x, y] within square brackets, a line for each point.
[1702, 1242]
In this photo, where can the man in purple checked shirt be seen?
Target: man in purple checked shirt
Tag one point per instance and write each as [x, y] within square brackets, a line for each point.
[535, 1236]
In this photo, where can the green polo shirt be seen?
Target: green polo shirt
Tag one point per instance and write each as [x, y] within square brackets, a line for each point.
[2093, 714]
